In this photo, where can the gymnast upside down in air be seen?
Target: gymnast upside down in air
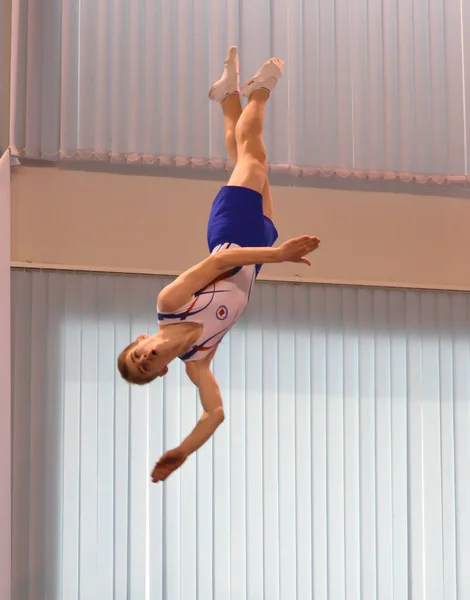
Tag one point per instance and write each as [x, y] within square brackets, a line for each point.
[197, 309]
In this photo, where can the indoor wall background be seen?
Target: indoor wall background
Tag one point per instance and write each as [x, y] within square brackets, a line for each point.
[339, 473]
[157, 224]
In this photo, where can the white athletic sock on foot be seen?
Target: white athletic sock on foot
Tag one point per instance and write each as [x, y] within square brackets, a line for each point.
[229, 83]
[266, 78]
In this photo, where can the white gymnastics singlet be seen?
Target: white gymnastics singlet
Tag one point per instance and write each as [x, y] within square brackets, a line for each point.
[217, 307]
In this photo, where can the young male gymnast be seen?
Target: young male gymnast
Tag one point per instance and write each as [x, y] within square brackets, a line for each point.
[197, 309]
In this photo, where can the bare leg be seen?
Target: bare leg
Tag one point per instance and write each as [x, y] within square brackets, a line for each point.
[251, 168]
[232, 110]
[226, 92]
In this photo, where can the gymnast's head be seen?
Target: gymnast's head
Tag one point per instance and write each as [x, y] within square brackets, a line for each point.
[143, 360]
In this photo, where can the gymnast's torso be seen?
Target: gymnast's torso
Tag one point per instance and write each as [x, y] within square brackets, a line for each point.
[216, 308]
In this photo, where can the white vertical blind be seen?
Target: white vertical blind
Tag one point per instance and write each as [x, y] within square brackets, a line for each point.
[340, 472]
[371, 89]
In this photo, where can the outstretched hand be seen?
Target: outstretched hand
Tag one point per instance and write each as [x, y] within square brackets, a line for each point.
[169, 462]
[294, 250]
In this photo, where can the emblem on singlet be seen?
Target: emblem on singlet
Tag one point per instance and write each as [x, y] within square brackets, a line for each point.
[222, 313]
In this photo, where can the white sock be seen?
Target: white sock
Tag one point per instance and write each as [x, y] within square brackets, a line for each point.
[266, 78]
[229, 83]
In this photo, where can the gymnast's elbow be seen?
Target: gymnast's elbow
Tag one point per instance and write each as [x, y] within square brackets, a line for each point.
[221, 260]
[217, 416]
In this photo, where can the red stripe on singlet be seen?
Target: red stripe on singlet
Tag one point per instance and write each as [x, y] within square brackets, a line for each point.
[221, 277]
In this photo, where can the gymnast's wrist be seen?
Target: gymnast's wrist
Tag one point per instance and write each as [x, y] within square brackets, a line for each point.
[278, 255]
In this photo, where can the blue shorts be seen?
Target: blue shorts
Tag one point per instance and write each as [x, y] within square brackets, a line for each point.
[237, 216]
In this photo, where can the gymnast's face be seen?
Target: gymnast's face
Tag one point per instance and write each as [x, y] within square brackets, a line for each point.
[146, 360]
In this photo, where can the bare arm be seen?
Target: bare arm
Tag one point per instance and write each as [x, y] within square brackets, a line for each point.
[212, 416]
[291, 251]
[198, 277]
[211, 400]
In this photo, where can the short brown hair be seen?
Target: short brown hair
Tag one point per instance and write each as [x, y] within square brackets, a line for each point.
[136, 378]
